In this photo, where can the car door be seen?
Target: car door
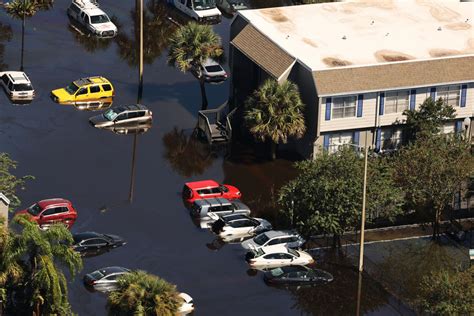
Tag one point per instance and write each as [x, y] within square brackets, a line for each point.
[51, 215]
[94, 92]
[121, 118]
[82, 94]
[109, 282]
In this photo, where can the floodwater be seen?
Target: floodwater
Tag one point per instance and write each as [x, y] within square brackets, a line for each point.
[93, 169]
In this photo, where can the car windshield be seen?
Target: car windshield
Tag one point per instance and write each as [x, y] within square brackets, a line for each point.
[34, 209]
[204, 4]
[261, 239]
[97, 275]
[276, 272]
[22, 87]
[96, 19]
[72, 88]
[293, 252]
[213, 68]
[223, 188]
[110, 114]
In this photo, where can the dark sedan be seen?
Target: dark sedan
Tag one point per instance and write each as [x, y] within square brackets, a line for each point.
[90, 244]
[297, 275]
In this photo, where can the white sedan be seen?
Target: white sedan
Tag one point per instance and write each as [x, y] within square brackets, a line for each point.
[238, 225]
[187, 306]
[277, 256]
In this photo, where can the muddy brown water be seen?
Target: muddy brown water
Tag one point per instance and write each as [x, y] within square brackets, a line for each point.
[92, 168]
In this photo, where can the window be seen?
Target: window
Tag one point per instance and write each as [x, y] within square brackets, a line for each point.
[272, 256]
[81, 91]
[50, 211]
[397, 101]
[344, 107]
[274, 241]
[5, 79]
[337, 140]
[286, 256]
[107, 87]
[95, 89]
[75, 8]
[89, 242]
[450, 94]
[121, 117]
[132, 115]
[391, 139]
[448, 128]
[204, 191]
[215, 191]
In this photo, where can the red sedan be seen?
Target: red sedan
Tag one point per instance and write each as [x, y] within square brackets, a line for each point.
[50, 211]
[209, 189]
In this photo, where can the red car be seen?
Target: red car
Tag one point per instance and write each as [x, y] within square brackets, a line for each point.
[209, 189]
[50, 211]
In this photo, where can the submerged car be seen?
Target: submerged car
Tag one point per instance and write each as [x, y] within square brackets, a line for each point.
[297, 275]
[84, 89]
[17, 85]
[124, 114]
[238, 225]
[92, 243]
[187, 305]
[218, 206]
[210, 71]
[229, 7]
[88, 14]
[289, 239]
[277, 256]
[105, 279]
[206, 189]
[51, 211]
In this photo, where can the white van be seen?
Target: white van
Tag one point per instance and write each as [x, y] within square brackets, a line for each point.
[88, 14]
[200, 10]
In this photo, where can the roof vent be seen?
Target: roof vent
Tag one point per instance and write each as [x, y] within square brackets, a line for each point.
[387, 34]
[467, 20]
[372, 23]
[344, 37]
[288, 36]
[439, 28]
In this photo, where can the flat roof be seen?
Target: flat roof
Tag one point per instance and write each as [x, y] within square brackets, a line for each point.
[368, 32]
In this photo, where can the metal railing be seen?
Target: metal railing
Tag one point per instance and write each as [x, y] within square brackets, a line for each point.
[219, 117]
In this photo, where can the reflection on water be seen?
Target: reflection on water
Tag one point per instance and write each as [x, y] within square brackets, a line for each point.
[186, 154]
[130, 129]
[93, 105]
[5, 36]
[157, 29]
[86, 39]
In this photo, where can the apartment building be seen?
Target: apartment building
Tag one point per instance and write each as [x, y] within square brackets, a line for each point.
[359, 65]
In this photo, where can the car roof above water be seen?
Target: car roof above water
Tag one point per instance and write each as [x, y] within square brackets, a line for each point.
[279, 233]
[86, 235]
[130, 107]
[212, 202]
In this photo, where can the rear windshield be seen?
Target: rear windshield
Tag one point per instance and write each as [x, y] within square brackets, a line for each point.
[293, 252]
[34, 209]
[276, 272]
[97, 275]
[213, 68]
[261, 239]
[95, 19]
[22, 87]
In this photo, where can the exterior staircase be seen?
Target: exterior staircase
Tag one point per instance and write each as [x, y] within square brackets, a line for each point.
[215, 124]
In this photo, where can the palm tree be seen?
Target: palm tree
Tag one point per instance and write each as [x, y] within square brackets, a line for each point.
[30, 269]
[190, 46]
[274, 112]
[5, 36]
[140, 293]
[22, 9]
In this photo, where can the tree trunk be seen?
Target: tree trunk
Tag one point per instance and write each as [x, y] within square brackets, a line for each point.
[273, 150]
[22, 41]
[436, 224]
[203, 94]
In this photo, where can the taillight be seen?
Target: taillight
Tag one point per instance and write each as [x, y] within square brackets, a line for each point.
[151, 113]
[94, 282]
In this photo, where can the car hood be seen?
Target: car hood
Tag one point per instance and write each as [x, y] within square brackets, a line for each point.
[98, 120]
[109, 26]
[62, 95]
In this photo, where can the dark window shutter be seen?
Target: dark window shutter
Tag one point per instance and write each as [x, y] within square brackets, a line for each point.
[463, 95]
[360, 101]
[328, 109]
[355, 138]
[458, 127]
[382, 103]
[412, 99]
[378, 134]
[433, 93]
[326, 142]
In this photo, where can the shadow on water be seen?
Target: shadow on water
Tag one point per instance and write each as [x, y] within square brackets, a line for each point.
[186, 154]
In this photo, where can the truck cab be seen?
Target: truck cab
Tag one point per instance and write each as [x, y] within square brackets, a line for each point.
[200, 10]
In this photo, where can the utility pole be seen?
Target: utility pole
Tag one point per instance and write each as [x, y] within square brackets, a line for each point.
[362, 224]
[140, 63]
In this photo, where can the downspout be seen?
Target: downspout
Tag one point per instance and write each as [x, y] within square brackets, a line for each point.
[377, 119]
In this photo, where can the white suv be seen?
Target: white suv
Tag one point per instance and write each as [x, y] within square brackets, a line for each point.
[88, 14]
[17, 85]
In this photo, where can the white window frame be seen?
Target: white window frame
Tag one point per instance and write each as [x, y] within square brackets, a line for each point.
[391, 139]
[450, 94]
[396, 101]
[337, 140]
[344, 107]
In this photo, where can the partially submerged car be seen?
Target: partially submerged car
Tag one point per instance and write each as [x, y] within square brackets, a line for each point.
[297, 275]
[91, 243]
[229, 7]
[84, 89]
[238, 225]
[200, 10]
[210, 71]
[88, 14]
[277, 256]
[218, 206]
[187, 305]
[289, 239]
[122, 115]
[51, 211]
[206, 189]
[105, 279]
[17, 85]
